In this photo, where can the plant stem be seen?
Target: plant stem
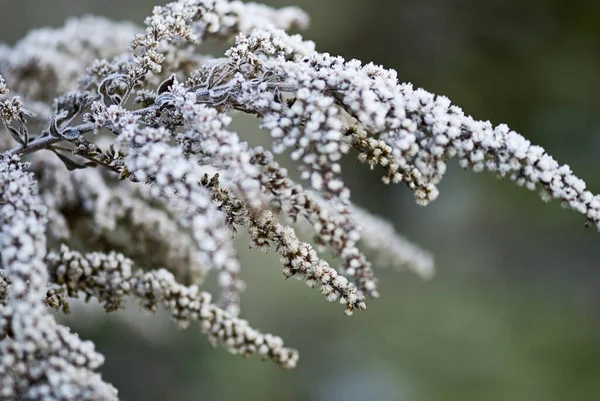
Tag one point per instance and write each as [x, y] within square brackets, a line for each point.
[47, 141]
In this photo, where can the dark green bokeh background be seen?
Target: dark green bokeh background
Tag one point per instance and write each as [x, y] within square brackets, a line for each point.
[512, 313]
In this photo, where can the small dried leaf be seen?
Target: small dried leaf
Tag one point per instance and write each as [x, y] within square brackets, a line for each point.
[15, 134]
[71, 164]
[24, 134]
[166, 85]
[70, 134]
[107, 87]
[54, 130]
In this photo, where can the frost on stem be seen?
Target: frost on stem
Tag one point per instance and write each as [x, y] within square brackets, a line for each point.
[152, 115]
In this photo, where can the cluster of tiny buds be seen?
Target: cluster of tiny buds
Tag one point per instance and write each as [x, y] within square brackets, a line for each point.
[111, 277]
[300, 260]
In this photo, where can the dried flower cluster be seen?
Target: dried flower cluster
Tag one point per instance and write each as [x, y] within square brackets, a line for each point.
[140, 161]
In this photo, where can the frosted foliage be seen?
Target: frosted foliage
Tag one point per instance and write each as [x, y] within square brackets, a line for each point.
[48, 62]
[140, 167]
[39, 359]
[154, 233]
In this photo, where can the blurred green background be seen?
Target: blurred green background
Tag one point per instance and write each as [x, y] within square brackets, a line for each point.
[512, 312]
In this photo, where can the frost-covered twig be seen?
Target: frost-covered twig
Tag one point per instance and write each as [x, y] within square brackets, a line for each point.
[38, 358]
[111, 278]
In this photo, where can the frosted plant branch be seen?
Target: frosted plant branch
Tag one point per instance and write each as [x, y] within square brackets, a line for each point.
[175, 179]
[111, 278]
[155, 238]
[39, 358]
[152, 114]
[332, 223]
[299, 259]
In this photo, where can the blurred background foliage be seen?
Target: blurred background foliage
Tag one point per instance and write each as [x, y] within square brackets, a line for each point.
[512, 312]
